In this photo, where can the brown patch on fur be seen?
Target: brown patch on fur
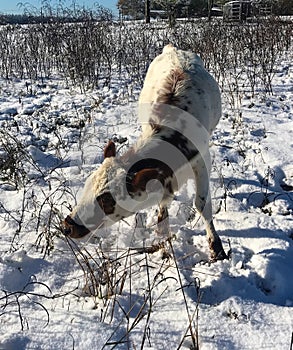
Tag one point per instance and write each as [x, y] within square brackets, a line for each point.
[168, 93]
[155, 126]
[142, 177]
[107, 203]
[110, 150]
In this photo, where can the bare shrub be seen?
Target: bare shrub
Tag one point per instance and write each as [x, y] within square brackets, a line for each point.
[108, 279]
[12, 159]
[91, 49]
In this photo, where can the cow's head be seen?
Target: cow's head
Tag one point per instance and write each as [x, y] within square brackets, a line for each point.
[111, 193]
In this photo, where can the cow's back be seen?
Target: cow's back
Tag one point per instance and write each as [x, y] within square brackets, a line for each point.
[178, 78]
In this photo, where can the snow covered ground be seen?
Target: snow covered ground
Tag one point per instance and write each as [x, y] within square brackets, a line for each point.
[105, 292]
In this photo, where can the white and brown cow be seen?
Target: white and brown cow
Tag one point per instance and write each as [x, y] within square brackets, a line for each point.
[179, 107]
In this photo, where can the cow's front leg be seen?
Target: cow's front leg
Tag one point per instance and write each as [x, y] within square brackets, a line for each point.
[163, 228]
[204, 206]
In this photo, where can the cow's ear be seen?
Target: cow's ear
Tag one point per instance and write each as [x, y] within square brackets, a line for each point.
[110, 150]
[142, 177]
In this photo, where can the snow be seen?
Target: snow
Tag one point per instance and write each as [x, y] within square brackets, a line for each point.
[104, 291]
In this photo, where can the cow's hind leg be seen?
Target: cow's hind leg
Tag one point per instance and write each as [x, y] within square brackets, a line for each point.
[204, 206]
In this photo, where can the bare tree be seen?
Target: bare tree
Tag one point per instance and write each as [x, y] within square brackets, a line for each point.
[173, 8]
[132, 8]
[210, 6]
[147, 11]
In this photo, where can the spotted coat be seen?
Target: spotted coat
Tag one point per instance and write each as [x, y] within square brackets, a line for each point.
[179, 107]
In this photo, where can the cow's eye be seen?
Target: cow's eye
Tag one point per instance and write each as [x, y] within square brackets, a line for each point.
[107, 202]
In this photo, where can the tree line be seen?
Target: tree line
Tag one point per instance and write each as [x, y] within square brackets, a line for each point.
[129, 9]
[50, 13]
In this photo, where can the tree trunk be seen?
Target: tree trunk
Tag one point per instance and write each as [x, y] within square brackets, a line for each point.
[147, 11]
[210, 6]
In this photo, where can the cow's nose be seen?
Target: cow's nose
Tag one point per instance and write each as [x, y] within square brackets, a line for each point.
[66, 227]
[70, 228]
[66, 231]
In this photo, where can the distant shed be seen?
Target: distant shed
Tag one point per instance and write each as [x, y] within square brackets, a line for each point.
[240, 10]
